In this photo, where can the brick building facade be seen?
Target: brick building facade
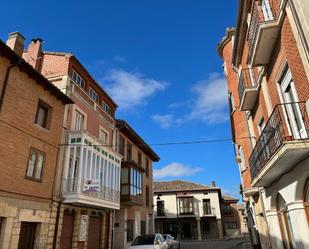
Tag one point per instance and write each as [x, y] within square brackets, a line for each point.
[266, 66]
[135, 216]
[31, 124]
[88, 179]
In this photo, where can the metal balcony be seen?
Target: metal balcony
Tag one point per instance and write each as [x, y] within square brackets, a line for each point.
[262, 34]
[283, 143]
[247, 90]
[76, 191]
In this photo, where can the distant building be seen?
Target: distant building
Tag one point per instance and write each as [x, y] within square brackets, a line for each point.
[234, 223]
[135, 216]
[188, 210]
[31, 127]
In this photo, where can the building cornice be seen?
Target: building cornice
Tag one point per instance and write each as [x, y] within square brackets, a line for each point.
[229, 32]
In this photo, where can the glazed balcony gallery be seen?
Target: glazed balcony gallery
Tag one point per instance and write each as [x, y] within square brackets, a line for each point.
[92, 173]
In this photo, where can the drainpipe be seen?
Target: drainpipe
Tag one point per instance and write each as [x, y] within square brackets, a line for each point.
[57, 224]
[6, 80]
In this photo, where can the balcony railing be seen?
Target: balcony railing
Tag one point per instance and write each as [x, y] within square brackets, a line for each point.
[103, 192]
[209, 211]
[247, 89]
[288, 122]
[262, 33]
[160, 212]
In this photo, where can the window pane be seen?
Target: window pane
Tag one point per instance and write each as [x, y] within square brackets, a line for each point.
[31, 163]
[41, 116]
[39, 166]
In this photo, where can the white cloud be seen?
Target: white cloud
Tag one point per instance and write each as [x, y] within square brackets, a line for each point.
[234, 191]
[211, 100]
[175, 170]
[209, 104]
[131, 89]
[167, 120]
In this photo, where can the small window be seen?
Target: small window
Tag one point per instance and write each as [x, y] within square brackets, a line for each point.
[35, 164]
[93, 95]
[121, 145]
[79, 121]
[147, 166]
[76, 78]
[206, 207]
[139, 158]
[43, 115]
[106, 108]
[227, 209]
[129, 152]
[147, 196]
[103, 136]
[230, 225]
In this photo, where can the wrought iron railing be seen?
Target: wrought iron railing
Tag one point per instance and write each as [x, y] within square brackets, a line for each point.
[208, 210]
[257, 19]
[287, 122]
[160, 212]
[246, 81]
[105, 193]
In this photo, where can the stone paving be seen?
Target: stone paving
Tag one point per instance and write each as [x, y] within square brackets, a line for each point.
[240, 243]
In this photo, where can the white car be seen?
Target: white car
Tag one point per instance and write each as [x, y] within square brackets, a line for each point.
[171, 242]
[150, 241]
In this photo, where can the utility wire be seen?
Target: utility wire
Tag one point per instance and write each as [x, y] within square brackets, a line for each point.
[163, 144]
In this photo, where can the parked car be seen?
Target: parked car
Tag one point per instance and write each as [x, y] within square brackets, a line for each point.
[150, 241]
[171, 242]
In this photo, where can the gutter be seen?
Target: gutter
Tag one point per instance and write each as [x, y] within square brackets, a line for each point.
[5, 82]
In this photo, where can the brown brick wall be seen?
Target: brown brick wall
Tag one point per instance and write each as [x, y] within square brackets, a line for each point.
[18, 133]
[239, 119]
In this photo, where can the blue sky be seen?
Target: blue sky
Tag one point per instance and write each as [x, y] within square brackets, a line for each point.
[158, 60]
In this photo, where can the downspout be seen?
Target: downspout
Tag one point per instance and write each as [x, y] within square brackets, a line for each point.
[5, 83]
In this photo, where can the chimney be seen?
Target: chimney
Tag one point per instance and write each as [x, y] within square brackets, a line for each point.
[16, 42]
[34, 52]
[213, 184]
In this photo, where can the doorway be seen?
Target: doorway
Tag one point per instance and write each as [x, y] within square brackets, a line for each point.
[187, 230]
[67, 230]
[27, 235]
[94, 232]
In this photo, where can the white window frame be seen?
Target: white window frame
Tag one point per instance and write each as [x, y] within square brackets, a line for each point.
[102, 129]
[93, 95]
[284, 80]
[78, 79]
[75, 108]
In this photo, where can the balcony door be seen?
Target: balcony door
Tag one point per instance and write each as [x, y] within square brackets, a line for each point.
[292, 106]
[267, 12]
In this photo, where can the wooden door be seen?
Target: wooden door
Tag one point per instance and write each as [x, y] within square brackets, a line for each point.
[106, 232]
[27, 235]
[67, 231]
[94, 232]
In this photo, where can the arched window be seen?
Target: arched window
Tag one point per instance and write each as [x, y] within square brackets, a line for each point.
[285, 224]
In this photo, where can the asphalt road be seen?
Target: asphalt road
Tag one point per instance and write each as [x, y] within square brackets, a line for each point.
[217, 244]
